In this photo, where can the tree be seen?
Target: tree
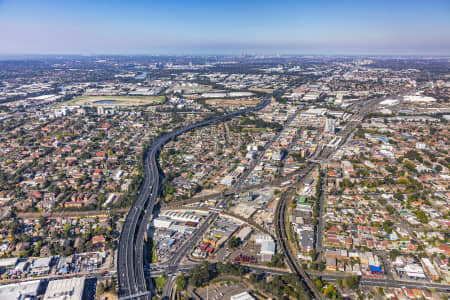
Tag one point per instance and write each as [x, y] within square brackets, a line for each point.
[100, 288]
[37, 249]
[352, 282]
[421, 216]
[201, 274]
[42, 221]
[330, 292]
[318, 283]
[181, 282]
[160, 282]
[387, 226]
[277, 261]
[312, 254]
[234, 242]
[390, 209]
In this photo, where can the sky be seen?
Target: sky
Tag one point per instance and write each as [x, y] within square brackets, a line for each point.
[225, 27]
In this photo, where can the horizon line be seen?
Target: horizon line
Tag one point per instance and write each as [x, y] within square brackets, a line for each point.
[275, 54]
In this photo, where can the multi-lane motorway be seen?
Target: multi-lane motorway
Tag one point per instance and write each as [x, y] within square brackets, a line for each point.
[130, 263]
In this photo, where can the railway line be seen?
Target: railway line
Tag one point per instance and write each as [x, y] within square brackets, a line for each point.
[283, 240]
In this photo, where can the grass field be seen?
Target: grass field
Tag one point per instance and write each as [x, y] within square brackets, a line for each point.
[115, 100]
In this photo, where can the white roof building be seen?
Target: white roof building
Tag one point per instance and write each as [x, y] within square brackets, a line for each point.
[268, 248]
[180, 216]
[8, 262]
[162, 222]
[65, 289]
[41, 262]
[259, 238]
[21, 290]
[414, 271]
[244, 233]
[242, 296]
[316, 112]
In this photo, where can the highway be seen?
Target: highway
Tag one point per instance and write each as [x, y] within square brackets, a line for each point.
[283, 240]
[130, 261]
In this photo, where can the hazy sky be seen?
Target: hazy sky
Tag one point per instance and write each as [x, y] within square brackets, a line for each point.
[224, 27]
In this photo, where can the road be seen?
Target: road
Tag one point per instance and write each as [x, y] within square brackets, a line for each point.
[365, 281]
[266, 146]
[283, 240]
[130, 266]
[175, 261]
[321, 157]
[327, 276]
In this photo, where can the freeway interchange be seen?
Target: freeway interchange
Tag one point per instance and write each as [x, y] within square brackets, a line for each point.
[130, 261]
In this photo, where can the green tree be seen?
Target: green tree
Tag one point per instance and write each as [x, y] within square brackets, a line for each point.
[234, 242]
[277, 261]
[181, 282]
[421, 216]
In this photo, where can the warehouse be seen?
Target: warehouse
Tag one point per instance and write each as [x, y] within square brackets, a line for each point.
[65, 289]
[161, 223]
[242, 296]
[21, 290]
[181, 216]
[8, 263]
[41, 266]
[244, 233]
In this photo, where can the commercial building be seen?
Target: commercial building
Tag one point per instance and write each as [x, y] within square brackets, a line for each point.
[242, 296]
[65, 289]
[161, 222]
[21, 290]
[8, 263]
[330, 126]
[315, 112]
[267, 246]
[41, 266]
[184, 217]
[429, 269]
[244, 233]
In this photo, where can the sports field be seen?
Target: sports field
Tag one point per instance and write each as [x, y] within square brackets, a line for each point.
[115, 100]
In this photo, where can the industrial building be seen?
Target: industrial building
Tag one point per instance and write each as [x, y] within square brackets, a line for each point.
[267, 246]
[21, 290]
[65, 289]
[330, 126]
[244, 233]
[242, 296]
[183, 217]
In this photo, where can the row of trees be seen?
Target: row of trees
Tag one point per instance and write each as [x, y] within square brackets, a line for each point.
[205, 272]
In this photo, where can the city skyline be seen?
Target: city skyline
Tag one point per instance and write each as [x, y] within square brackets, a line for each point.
[287, 27]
